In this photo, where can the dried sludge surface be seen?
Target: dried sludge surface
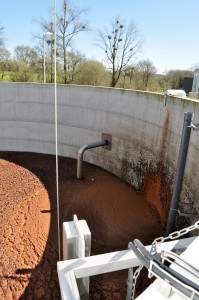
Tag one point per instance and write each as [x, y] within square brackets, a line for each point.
[115, 214]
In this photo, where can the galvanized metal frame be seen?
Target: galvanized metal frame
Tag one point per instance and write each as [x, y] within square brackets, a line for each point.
[70, 271]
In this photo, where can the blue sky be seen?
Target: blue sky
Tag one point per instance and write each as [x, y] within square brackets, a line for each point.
[169, 27]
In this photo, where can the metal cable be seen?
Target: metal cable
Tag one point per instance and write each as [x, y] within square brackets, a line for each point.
[56, 142]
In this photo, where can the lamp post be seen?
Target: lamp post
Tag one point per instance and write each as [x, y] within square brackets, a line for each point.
[44, 54]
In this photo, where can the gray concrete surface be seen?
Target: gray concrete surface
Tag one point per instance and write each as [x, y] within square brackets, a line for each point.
[145, 132]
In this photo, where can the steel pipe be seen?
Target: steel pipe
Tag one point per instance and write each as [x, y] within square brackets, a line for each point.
[186, 132]
[81, 153]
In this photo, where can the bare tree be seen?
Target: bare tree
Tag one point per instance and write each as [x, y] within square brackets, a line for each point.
[69, 24]
[146, 70]
[4, 54]
[120, 43]
[128, 75]
[4, 61]
[25, 54]
[74, 59]
[194, 67]
[1, 35]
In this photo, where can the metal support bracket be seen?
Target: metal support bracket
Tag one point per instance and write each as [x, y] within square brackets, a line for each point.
[195, 127]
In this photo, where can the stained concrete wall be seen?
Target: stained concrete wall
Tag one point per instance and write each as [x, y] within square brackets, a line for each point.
[145, 133]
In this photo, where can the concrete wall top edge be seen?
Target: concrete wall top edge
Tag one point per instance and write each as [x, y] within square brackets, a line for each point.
[61, 87]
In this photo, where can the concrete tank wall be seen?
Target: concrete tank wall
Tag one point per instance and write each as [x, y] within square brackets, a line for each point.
[145, 133]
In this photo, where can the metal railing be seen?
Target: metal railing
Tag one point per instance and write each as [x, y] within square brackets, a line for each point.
[75, 270]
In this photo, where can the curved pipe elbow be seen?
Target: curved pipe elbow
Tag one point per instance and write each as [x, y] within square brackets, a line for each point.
[81, 151]
[83, 148]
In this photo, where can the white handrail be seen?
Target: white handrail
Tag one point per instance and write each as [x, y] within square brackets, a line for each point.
[70, 270]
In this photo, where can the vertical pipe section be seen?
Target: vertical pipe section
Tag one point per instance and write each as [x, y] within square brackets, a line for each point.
[186, 132]
[81, 153]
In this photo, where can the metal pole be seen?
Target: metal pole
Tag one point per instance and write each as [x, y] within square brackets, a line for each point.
[44, 57]
[81, 153]
[186, 132]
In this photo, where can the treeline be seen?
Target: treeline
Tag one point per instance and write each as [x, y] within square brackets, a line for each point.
[120, 43]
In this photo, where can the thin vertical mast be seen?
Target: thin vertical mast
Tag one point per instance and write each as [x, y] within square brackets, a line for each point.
[56, 139]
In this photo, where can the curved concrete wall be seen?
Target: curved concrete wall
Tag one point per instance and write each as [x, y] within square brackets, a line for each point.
[145, 133]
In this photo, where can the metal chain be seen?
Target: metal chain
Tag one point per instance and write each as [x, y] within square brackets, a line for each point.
[135, 277]
[172, 236]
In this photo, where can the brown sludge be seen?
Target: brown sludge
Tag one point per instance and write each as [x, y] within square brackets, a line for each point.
[115, 213]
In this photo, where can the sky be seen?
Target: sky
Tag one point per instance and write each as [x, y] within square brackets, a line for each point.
[169, 27]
